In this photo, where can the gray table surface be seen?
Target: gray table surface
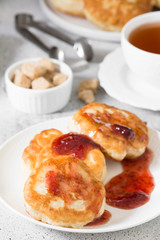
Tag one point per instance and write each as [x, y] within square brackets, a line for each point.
[12, 48]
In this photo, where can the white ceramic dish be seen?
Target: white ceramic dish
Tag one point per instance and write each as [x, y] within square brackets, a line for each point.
[119, 82]
[39, 101]
[12, 181]
[76, 25]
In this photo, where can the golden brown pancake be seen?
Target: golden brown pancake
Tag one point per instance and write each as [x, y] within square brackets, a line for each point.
[113, 15]
[73, 7]
[63, 192]
[121, 134]
[40, 141]
[52, 143]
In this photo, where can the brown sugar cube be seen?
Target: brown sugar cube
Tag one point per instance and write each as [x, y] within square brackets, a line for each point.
[86, 96]
[41, 83]
[88, 84]
[21, 80]
[32, 70]
[49, 76]
[46, 63]
[59, 78]
[56, 70]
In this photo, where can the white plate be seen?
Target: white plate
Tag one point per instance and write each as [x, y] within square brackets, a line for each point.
[12, 181]
[76, 25]
[119, 82]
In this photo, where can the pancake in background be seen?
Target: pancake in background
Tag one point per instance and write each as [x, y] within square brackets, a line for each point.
[73, 7]
[121, 134]
[63, 192]
[113, 15]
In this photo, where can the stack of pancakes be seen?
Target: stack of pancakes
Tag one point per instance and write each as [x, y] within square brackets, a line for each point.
[67, 171]
[109, 15]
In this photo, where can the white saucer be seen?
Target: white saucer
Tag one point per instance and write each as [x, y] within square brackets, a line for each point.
[119, 82]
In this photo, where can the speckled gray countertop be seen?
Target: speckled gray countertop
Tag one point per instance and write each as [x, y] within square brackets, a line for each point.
[12, 48]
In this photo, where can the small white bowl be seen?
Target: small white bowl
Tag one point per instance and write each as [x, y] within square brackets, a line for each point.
[144, 64]
[39, 101]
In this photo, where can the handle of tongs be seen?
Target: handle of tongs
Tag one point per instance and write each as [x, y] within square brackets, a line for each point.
[31, 37]
[53, 32]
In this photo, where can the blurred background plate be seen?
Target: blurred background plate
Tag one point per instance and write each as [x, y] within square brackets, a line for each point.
[76, 25]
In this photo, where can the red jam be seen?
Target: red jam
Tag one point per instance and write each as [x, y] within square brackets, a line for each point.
[101, 220]
[123, 131]
[76, 145]
[131, 188]
[104, 120]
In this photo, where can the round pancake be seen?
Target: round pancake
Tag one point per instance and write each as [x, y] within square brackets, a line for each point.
[63, 192]
[120, 134]
[112, 15]
[52, 143]
[73, 7]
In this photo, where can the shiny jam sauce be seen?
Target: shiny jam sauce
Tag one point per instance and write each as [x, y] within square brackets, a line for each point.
[76, 145]
[101, 220]
[123, 131]
[104, 120]
[131, 188]
[99, 118]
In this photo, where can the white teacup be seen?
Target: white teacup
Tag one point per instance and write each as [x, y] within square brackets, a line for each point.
[142, 63]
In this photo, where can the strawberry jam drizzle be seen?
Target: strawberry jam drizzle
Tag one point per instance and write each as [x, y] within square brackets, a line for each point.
[104, 121]
[99, 119]
[123, 131]
[76, 145]
[131, 188]
[101, 220]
